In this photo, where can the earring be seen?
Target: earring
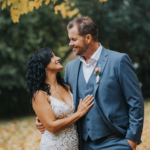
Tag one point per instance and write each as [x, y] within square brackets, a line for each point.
[46, 71]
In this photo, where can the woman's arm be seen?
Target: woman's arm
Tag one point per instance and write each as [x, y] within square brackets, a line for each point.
[46, 115]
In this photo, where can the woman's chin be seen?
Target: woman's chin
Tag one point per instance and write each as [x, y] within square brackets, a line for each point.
[60, 68]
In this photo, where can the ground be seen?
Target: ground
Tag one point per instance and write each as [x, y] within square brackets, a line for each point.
[21, 133]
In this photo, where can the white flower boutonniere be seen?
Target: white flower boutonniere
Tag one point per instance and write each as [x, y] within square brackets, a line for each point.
[97, 71]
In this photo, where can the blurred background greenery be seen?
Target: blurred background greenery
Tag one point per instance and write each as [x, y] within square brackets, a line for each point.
[123, 25]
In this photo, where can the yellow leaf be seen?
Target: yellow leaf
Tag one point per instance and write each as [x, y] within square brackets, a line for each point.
[31, 6]
[4, 5]
[72, 4]
[102, 1]
[9, 2]
[56, 8]
[63, 10]
[14, 12]
[38, 4]
[22, 7]
[54, 1]
[15, 19]
[15, 2]
[67, 8]
[47, 2]
[79, 15]
[70, 14]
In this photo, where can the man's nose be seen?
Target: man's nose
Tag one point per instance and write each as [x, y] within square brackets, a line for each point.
[71, 43]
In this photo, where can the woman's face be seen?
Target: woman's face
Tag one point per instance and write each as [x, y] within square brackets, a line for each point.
[54, 65]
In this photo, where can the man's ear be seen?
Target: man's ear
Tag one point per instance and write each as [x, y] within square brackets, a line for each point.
[88, 38]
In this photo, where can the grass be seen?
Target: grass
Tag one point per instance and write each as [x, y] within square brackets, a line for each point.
[21, 133]
[145, 145]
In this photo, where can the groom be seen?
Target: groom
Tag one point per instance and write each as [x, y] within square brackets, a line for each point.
[115, 121]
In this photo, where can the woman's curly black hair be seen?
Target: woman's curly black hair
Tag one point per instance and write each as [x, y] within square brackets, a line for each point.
[36, 73]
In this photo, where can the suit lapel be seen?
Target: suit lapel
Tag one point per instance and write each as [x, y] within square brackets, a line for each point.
[75, 80]
[102, 61]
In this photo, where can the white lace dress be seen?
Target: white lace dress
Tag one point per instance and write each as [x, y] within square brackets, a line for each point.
[66, 139]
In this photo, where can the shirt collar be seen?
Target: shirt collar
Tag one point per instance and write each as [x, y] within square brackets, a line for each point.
[95, 56]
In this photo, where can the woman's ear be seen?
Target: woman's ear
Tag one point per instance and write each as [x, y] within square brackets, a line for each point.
[88, 38]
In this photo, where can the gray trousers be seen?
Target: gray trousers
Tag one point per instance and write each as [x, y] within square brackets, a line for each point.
[114, 143]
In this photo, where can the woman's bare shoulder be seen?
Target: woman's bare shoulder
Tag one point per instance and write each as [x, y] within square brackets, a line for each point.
[40, 95]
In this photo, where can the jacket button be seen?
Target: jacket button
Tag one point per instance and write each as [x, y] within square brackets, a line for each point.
[88, 119]
[88, 129]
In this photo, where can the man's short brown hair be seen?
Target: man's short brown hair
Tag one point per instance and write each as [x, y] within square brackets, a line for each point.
[85, 26]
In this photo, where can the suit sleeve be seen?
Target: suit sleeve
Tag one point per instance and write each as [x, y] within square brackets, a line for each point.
[66, 74]
[133, 96]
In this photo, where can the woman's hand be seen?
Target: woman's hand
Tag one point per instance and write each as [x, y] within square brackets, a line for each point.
[46, 117]
[85, 105]
[39, 125]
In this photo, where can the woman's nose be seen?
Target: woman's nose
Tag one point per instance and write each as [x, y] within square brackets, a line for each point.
[58, 58]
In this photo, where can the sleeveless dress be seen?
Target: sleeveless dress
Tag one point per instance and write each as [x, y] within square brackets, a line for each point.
[66, 139]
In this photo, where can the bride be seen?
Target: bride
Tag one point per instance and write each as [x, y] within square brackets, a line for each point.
[52, 101]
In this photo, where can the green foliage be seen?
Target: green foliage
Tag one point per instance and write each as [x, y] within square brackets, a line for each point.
[124, 26]
[40, 28]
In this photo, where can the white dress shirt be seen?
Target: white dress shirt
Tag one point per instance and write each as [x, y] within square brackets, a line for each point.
[88, 68]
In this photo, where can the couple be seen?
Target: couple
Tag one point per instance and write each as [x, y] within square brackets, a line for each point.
[106, 109]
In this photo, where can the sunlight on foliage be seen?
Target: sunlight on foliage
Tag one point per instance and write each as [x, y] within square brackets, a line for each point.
[20, 7]
[103, 1]
[65, 10]
[21, 134]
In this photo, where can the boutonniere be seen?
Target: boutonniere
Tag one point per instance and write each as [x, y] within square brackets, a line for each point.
[97, 71]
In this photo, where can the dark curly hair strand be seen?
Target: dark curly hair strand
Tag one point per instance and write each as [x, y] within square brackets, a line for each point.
[36, 73]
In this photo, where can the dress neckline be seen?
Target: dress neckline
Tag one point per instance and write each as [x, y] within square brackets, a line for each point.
[64, 102]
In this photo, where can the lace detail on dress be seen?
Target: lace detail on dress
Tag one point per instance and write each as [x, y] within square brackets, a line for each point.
[66, 139]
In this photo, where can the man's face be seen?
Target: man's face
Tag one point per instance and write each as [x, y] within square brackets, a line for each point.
[77, 42]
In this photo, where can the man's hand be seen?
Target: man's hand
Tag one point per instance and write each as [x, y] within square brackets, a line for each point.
[132, 144]
[39, 125]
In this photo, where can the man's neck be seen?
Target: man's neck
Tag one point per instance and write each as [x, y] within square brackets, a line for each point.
[90, 51]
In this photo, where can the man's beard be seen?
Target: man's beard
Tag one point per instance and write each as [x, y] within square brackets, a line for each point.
[81, 50]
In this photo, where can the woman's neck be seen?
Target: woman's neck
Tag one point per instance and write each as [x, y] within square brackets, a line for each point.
[51, 79]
